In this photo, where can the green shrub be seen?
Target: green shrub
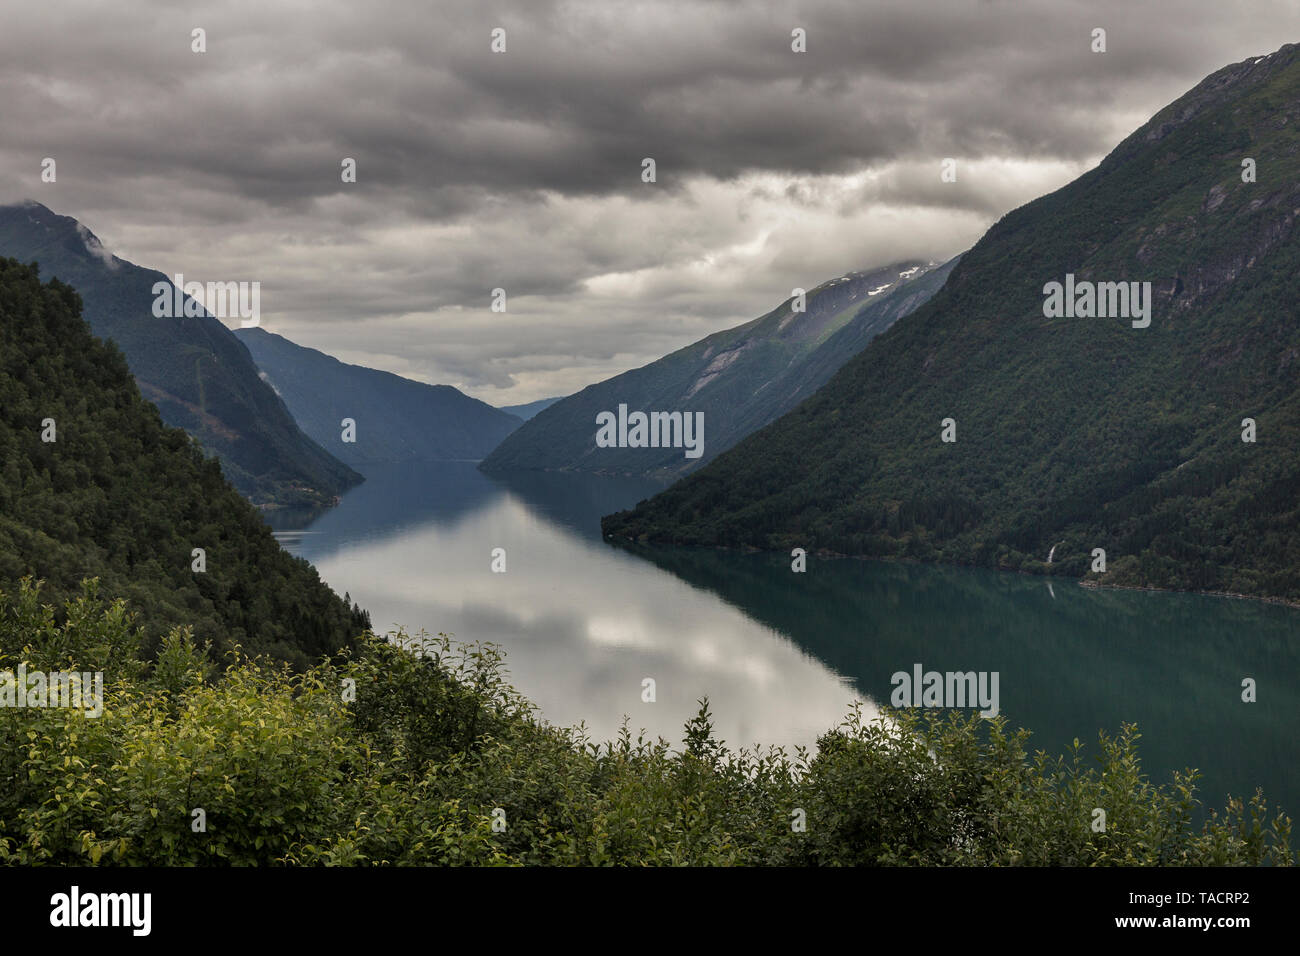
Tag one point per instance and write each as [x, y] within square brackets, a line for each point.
[414, 751]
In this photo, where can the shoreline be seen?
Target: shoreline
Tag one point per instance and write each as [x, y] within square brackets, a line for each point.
[1284, 602]
[1084, 582]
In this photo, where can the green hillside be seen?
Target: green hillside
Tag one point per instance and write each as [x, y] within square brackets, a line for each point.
[1073, 433]
[194, 369]
[119, 496]
[739, 379]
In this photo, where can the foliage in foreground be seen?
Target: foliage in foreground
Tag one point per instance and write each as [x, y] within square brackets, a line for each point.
[287, 771]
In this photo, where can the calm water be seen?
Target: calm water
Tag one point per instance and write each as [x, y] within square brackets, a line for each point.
[781, 656]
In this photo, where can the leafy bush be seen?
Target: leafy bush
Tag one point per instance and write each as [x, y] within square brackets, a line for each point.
[401, 754]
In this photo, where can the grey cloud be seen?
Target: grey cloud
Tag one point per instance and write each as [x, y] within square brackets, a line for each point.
[522, 170]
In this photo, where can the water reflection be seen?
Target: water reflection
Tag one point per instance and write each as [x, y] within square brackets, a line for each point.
[582, 623]
[781, 655]
[1072, 660]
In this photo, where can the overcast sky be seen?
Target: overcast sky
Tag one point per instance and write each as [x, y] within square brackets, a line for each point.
[522, 170]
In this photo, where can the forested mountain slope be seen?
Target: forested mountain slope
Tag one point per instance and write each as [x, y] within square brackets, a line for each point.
[1075, 433]
[193, 368]
[93, 484]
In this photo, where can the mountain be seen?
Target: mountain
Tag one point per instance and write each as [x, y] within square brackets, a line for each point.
[92, 484]
[1073, 434]
[529, 409]
[194, 369]
[739, 379]
[396, 419]
[294, 770]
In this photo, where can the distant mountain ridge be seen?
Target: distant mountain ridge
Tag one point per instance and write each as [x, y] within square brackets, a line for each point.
[396, 419]
[1170, 451]
[740, 379]
[193, 368]
[530, 409]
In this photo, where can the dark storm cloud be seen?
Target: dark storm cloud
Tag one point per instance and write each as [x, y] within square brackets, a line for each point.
[522, 170]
